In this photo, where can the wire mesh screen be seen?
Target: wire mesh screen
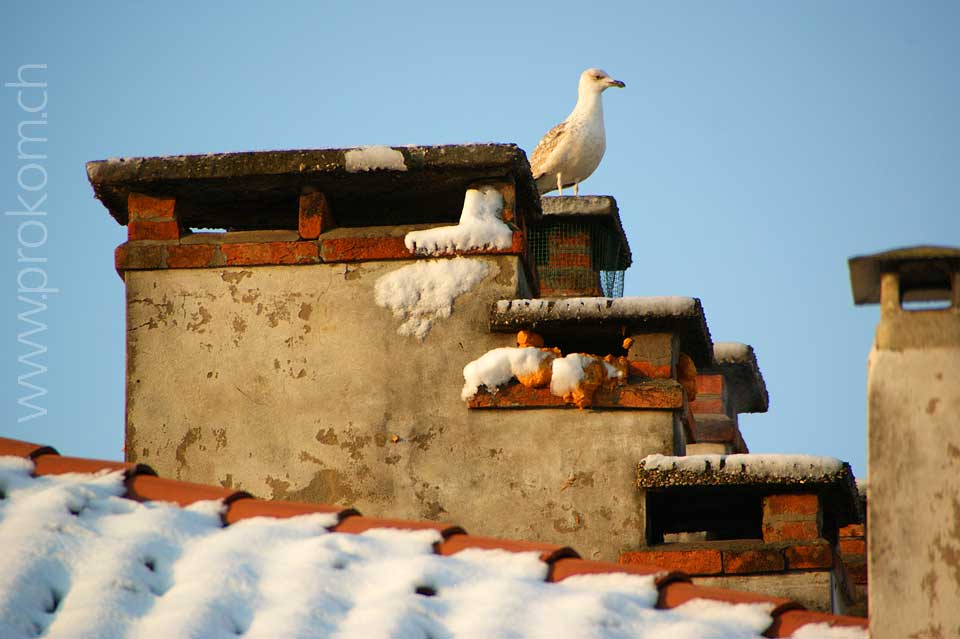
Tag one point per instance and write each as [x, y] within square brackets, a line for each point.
[577, 258]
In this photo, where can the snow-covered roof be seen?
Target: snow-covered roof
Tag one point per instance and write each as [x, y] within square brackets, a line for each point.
[122, 553]
[682, 315]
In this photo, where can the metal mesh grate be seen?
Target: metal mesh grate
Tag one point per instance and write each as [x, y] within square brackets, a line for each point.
[586, 259]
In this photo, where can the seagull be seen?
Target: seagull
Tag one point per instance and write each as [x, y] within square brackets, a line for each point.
[571, 151]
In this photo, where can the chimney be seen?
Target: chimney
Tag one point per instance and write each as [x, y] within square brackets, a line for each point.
[579, 247]
[913, 452]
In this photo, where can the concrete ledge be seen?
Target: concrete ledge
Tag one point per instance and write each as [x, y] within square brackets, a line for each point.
[587, 316]
[262, 189]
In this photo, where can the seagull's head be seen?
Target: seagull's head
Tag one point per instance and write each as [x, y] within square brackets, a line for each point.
[597, 81]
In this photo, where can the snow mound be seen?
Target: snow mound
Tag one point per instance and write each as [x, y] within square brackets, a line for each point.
[423, 292]
[497, 367]
[374, 158]
[81, 561]
[480, 227]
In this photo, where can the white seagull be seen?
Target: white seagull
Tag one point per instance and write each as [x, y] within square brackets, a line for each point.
[571, 151]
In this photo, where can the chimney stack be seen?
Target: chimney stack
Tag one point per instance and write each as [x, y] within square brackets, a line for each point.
[913, 453]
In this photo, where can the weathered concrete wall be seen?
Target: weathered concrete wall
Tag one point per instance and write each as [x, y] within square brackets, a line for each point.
[291, 383]
[914, 507]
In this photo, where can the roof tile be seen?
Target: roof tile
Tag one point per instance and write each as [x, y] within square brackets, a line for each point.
[678, 593]
[359, 524]
[17, 448]
[147, 488]
[572, 566]
[548, 552]
[246, 507]
[57, 465]
[789, 621]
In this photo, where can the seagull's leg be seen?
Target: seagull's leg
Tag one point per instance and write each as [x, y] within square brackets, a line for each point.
[576, 188]
[559, 184]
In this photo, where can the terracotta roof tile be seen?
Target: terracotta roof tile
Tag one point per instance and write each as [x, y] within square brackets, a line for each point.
[247, 507]
[548, 552]
[678, 593]
[788, 622]
[17, 448]
[58, 465]
[674, 587]
[359, 524]
[572, 566]
[147, 488]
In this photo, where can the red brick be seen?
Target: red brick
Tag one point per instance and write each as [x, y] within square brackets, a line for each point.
[853, 546]
[707, 405]
[857, 570]
[791, 504]
[168, 230]
[646, 369]
[809, 556]
[749, 561]
[853, 530]
[144, 207]
[709, 384]
[270, 253]
[642, 395]
[790, 530]
[129, 257]
[570, 259]
[715, 430]
[580, 239]
[315, 216]
[692, 562]
[189, 255]
[358, 249]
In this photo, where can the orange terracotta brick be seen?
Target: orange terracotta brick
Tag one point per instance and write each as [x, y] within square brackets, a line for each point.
[710, 384]
[809, 556]
[853, 530]
[358, 249]
[791, 504]
[144, 207]
[692, 562]
[250, 254]
[739, 562]
[189, 255]
[315, 216]
[167, 230]
[790, 530]
[582, 239]
[646, 369]
[853, 546]
[707, 405]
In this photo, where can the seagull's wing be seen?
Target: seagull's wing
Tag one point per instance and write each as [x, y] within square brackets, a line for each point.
[544, 148]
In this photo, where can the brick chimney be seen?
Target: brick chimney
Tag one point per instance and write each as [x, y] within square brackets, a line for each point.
[913, 452]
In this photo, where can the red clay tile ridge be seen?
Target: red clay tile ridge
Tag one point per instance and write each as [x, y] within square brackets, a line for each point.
[635, 315]
[382, 574]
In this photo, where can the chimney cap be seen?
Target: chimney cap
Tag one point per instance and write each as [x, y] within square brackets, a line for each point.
[737, 363]
[922, 270]
[259, 189]
[597, 209]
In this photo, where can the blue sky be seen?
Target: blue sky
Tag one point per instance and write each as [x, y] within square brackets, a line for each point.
[756, 147]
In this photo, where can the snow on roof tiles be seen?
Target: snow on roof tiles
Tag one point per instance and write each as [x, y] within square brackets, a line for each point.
[82, 558]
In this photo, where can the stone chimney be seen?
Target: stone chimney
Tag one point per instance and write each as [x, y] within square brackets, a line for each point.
[913, 452]
[314, 349]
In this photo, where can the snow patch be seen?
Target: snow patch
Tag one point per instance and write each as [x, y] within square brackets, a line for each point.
[497, 367]
[423, 292]
[826, 631]
[480, 227]
[600, 307]
[568, 373]
[766, 465]
[731, 352]
[374, 158]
